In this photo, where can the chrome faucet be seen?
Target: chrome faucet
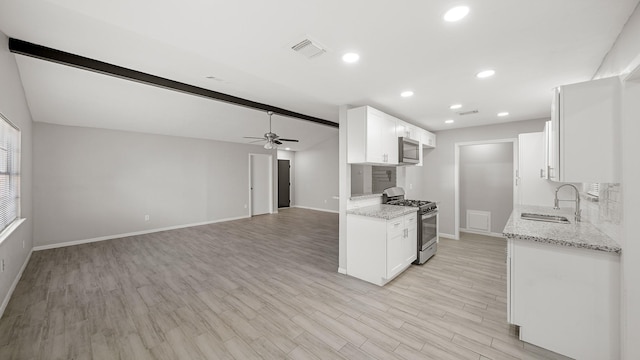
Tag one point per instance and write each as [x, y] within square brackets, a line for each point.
[556, 201]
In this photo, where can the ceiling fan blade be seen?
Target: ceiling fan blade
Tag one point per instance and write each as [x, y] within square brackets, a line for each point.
[294, 140]
[255, 141]
[253, 137]
[277, 142]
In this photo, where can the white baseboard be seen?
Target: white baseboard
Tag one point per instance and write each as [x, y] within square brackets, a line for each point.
[5, 302]
[117, 236]
[448, 236]
[482, 233]
[342, 270]
[316, 209]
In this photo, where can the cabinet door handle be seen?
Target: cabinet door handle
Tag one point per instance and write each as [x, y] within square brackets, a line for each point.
[549, 168]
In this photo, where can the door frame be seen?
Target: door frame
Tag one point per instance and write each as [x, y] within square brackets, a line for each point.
[456, 175]
[270, 179]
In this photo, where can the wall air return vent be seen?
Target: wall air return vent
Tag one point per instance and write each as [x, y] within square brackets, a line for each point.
[308, 48]
[468, 112]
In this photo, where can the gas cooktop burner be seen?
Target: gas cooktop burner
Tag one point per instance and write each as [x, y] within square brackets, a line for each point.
[424, 207]
[413, 203]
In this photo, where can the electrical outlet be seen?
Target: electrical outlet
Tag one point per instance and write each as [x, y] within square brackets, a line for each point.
[146, 218]
[410, 186]
[245, 206]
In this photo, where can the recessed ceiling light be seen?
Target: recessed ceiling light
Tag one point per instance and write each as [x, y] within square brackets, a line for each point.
[350, 58]
[448, 121]
[287, 148]
[504, 113]
[406, 93]
[455, 106]
[485, 74]
[456, 13]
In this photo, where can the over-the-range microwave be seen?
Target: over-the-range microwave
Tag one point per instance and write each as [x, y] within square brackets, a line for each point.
[408, 151]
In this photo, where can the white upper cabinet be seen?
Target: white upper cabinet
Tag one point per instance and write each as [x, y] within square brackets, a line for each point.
[371, 137]
[583, 132]
[407, 130]
[427, 139]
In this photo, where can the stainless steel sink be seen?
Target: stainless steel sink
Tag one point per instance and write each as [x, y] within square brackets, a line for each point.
[547, 218]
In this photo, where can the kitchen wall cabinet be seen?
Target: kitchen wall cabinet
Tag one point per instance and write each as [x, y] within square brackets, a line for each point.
[428, 139]
[531, 181]
[582, 136]
[379, 250]
[565, 299]
[550, 151]
[407, 130]
[371, 137]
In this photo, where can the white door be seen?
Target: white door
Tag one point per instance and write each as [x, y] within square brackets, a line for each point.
[260, 184]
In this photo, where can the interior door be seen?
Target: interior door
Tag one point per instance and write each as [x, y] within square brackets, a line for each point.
[284, 183]
[260, 184]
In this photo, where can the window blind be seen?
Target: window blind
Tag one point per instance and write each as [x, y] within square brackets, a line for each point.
[9, 173]
[594, 190]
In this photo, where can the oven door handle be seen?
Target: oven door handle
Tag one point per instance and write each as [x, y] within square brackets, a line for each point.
[429, 215]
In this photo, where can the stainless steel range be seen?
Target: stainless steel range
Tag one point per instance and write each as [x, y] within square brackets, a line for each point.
[427, 221]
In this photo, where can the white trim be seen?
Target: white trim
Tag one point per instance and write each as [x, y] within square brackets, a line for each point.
[448, 236]
[118, 236]
[5, 302]
[456, 175]
[493, 234]
[316, 209]
[10, 229]
[342, 271]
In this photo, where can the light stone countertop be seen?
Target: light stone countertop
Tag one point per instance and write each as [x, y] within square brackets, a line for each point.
[364, 196]
[383, 211]
[576, 234]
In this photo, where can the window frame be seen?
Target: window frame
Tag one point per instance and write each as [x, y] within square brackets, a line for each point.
[14, 173]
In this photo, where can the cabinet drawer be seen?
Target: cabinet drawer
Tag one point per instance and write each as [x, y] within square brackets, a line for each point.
[395, 226]
[411, 221]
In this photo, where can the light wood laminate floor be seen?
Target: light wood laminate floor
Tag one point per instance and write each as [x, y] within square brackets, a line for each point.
[264, 287]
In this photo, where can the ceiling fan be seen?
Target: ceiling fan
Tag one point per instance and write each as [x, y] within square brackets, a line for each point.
[273, 140]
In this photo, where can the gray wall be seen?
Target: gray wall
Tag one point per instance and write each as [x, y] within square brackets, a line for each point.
[13, 106]
[411, 178]
[91, 183]
[439, 163]
[317, 176]
[486, 182]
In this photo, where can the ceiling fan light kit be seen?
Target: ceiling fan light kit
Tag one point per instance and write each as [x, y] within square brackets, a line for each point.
[273, 140]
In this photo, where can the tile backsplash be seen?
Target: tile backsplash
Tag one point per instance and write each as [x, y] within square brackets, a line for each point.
[606, 213]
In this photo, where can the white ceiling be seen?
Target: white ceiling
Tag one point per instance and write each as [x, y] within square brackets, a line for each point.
[532, 45]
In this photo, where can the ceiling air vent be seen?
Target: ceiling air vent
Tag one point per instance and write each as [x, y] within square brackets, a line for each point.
[308, 48]
[468, 112]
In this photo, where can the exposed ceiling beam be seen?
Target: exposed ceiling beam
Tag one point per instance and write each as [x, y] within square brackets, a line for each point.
[45, 53]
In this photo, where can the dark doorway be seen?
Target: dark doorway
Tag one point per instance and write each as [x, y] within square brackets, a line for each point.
[284, 183]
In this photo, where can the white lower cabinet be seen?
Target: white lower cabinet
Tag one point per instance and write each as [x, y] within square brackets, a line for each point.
[565, 299]
[378, 249]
